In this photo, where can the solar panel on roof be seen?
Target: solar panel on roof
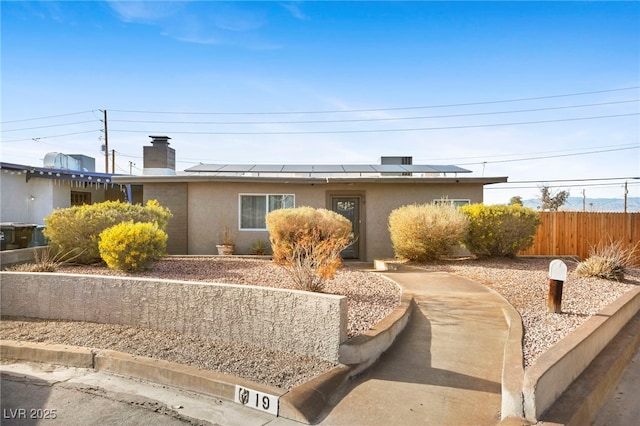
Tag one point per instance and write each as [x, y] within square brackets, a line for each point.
[326, 168]
[238, 168]
[450, 169]
[267, 168]
[358, 168]
[297, 168]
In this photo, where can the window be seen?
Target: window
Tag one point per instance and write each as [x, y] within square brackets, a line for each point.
[452, 202]
[255, 207]
[79, 198]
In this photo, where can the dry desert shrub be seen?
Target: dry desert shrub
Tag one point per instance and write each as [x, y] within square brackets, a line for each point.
[608, 260]
[423, 232]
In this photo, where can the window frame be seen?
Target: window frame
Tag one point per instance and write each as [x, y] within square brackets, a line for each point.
[266, 201]
[454, 202]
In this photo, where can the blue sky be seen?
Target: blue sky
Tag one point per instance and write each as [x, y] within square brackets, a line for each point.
[501, 88]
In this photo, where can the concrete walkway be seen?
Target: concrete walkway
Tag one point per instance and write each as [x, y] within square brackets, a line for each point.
[444, 369]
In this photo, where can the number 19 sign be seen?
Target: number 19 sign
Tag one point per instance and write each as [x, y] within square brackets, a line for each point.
[257, 400]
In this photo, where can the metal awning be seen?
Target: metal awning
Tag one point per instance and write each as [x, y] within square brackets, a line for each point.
[57, 174]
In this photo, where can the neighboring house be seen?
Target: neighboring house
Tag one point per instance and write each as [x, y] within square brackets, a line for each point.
[207, 198]
[29, 194]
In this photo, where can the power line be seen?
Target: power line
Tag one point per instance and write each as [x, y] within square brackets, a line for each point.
[383, 130]
[574, 180]
[530, 153]
[52, 136]
[551, 156]
[382, 109]
[43, 118]
[355, 120]
[47, 126]
[585, 185]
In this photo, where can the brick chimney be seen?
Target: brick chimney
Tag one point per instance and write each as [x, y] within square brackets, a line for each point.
[159, 159]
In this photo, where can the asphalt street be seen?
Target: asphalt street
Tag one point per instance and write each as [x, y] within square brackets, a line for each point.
[39, 394]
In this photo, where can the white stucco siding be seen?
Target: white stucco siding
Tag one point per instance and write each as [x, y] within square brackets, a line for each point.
[22, 201]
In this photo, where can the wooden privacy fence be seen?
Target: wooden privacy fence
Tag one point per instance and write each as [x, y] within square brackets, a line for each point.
[575, 233]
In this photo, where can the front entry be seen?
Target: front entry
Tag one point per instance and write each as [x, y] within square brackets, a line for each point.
[349, 207]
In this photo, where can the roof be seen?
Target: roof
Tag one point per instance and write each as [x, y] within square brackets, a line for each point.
[288, 180]
[59, 174]
[326, 168]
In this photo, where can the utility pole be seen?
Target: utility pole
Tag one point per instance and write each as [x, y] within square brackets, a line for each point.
[106, 144]
[626, 192]
[113, 161]
[584, 201]
[131, 164]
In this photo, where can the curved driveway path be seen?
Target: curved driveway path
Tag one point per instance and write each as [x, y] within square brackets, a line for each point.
[444, 369]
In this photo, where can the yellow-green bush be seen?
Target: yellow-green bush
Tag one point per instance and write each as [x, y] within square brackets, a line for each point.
[130, 246]
[423, 232]
[500, 230]
[75, 230]
[307, 242]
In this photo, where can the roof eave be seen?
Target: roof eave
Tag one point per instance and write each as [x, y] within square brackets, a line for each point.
[307, 180]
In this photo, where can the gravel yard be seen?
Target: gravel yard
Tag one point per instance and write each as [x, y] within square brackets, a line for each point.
[370, 298]
[522, 281]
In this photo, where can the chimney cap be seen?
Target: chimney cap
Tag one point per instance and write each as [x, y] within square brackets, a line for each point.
[160, 139]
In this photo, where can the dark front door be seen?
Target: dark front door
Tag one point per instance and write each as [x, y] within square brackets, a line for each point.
[349, 207]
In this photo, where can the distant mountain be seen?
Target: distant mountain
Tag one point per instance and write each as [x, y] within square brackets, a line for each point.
[594, 204]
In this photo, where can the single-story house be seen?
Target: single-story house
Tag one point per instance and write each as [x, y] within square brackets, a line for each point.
[207, 199]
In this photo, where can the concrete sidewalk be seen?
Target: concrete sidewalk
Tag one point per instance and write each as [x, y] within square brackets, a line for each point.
[444, 369]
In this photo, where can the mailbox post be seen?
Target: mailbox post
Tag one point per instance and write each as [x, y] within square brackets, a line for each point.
[557, 277]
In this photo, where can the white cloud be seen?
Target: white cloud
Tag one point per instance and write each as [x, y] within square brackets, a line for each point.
[206, 23]
[145, 11]
[295, 11]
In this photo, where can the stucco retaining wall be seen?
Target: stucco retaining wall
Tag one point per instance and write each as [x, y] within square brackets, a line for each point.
[284, 320]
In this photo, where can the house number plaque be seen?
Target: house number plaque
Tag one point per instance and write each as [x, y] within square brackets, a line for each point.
[257, 400]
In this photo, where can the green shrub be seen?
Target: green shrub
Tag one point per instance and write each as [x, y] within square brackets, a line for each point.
[130, 246]
[500, 230]
[75, 230]
[608, 261]
[260, 247]
[307, 242]
[423, 232]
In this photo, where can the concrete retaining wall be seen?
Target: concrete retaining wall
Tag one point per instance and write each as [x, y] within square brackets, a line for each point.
[557, 368]
[15, 257]
[364, 349]
[513, 366]
[284, 320]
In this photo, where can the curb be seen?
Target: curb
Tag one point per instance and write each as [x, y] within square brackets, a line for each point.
[70, 356]
[175, 374]
[582, 401]
[512, 366]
